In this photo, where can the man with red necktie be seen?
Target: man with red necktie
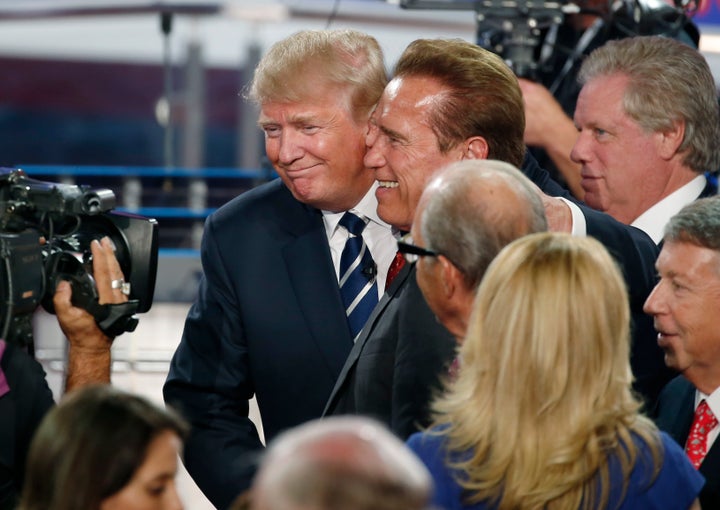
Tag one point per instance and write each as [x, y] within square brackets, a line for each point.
[684, 306]
[449, 101]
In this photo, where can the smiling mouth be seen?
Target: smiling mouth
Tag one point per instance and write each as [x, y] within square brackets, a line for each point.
[663, 338]
[388, 184]
[299, 170]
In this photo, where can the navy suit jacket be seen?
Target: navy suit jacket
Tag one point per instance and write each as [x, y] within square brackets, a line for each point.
[635, 253]
[403, 351]
[268, 321]
[674, 414]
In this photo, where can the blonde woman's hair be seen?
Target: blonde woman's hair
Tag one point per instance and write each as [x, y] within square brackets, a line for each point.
[543, 397]
[305, 63]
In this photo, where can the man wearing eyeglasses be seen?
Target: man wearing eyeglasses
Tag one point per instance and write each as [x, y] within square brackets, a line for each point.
[449, 101]
[486, 203]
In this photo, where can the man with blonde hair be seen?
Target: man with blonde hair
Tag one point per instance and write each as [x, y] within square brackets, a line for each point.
[279, 304]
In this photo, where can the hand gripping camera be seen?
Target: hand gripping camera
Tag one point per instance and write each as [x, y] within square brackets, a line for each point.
[45, 234]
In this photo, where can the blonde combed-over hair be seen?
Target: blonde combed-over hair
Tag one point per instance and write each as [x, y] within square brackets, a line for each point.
[307, 62]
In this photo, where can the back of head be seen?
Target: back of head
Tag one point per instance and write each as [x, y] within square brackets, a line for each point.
[473, 208]
[300, 66]
[535, 297]
[547, 349]
[484, 97]
[669, 81]
[348, 463]
[697, 223]
[89, 446]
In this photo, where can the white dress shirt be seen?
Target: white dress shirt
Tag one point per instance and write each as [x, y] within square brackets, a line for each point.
[713, 401]
[653, 221]
[378, 237]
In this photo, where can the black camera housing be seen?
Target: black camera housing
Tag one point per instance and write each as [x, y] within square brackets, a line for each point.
[513, 28]
[45, 234]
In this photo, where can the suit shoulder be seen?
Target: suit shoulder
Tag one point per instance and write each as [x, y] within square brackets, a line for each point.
[269, 200]
[676, 396]
[676, 387]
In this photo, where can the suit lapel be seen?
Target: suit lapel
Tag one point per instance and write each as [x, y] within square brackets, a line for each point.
[710, 466]
[312, 276]
[397, 284]
[679, 426]
[709, 190]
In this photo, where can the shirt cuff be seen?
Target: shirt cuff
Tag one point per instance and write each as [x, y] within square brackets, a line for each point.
[579, 227]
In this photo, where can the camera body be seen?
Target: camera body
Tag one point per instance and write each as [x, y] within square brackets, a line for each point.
[45, 234]
[513, 28]
[510, 28]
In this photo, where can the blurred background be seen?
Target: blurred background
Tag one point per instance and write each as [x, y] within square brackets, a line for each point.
[145, 98]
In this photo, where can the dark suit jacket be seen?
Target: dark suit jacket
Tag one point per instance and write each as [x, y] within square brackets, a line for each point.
[674, 414]
[268, 321]
[403, 350]
[397, 362]
[710, 188]
[635, 253]
[21, 411]
[647, 360]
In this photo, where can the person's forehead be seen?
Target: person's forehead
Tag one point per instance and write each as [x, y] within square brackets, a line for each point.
[683, 256]
[311, 108]
[312, 96]
[416, 92]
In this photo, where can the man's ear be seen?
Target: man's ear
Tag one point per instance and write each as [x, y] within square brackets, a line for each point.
[476, 147]
[670, 140]
[452, 278]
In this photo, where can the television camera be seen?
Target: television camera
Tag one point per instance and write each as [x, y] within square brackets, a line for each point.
[45, 234]
[513, 28]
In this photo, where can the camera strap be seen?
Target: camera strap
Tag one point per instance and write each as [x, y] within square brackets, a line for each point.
[582, 44]
[115, 319]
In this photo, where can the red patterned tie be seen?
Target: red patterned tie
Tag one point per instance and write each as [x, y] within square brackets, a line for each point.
[395, 266]
[703, 422]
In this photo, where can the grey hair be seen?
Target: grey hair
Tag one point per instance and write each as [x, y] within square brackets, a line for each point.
[697, 223]
[457, 223]
[348, 462]
[669, 81]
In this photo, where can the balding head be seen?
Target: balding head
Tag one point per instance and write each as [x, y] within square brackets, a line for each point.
[467, 214]
[351, 463]
[473, 208]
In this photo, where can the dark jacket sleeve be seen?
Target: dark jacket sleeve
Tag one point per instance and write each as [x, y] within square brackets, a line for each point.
[424, 354]
[269, 323]
[635, 253]
[209, 383]
[21, 411]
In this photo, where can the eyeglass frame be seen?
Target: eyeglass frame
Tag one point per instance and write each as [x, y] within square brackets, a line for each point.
[412, 252]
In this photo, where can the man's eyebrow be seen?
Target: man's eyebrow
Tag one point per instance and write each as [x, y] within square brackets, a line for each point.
[393, 134]
[302, 118]
[294, 120]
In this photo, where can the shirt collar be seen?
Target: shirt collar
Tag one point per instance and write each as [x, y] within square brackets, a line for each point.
[366, 207]
[713, 401]
[653, 221]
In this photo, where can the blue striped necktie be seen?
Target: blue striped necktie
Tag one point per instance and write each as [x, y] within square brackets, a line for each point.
[358, 285]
